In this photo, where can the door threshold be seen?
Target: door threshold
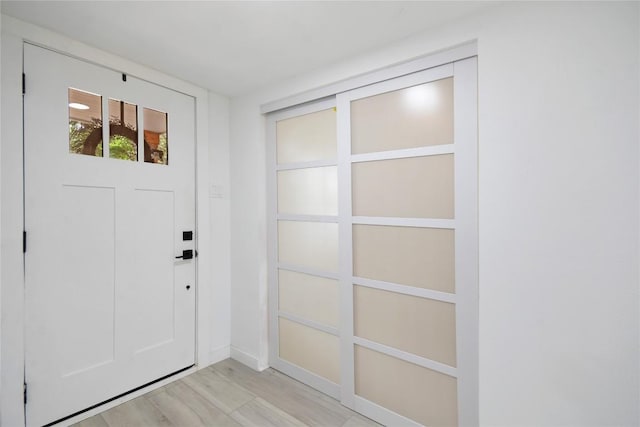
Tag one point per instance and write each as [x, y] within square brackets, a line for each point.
[61, 421]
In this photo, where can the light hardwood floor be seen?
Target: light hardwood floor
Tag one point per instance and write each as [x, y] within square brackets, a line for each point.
[230, 394]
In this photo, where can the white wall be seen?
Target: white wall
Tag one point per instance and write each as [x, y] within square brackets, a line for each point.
[559, 208]
[219, 203]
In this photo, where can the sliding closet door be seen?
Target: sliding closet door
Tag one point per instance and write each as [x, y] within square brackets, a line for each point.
[373, 243]
[408, 162]
[304, 292]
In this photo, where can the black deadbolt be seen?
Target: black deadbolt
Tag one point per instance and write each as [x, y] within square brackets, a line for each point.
[187, 235]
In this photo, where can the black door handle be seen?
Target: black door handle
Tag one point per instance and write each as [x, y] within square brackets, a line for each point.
[186, 254]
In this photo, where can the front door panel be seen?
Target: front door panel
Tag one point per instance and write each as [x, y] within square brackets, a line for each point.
[109, 307]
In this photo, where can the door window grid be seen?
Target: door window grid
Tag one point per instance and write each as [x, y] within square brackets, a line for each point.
[306, 184]
[85, 113]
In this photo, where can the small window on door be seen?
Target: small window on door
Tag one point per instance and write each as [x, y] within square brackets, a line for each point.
[123, 130]
[85, 123]
[156, 143]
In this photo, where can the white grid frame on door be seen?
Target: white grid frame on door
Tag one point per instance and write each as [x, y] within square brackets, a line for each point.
[316, 381]
[465, 224]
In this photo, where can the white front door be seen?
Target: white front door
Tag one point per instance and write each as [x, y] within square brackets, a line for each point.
[109, 307]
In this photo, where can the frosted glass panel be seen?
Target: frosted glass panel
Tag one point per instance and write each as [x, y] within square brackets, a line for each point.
[307, 138]
[308, 244]
[418, 393]
[310, 297]
[422, 257]
[311, 349]
[413, 117]
[312, 191]
[417, 187]
[416, 325]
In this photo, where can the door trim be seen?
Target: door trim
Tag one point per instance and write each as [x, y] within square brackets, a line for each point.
[14, 34]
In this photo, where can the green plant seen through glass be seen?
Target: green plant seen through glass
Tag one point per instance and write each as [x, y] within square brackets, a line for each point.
[78, 133]
[121, 147]
[162, 146]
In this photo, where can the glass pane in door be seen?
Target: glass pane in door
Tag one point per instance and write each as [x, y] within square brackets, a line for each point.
[416, 116]
[415, 187]
[123, 130]
[307, 138]
[311, 349]
[421, 394]
[421, 326]
[85, 123]
[421, 257]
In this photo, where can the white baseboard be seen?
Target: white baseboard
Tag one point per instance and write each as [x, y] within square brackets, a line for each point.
[247, 359]
[218, 355]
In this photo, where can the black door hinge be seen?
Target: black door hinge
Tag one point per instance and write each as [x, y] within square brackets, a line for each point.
[24, 242]
[24, 388]
[24, 84]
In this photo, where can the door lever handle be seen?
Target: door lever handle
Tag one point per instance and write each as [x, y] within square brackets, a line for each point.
[186, 254]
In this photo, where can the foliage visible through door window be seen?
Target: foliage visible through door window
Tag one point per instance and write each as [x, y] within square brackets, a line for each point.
[85, 123]
[123, 130]
[156, 143]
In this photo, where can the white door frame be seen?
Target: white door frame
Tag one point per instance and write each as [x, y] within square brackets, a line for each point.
[14, 34]
[459, 62]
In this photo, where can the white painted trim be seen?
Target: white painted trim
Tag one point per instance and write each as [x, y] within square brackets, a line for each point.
[466, 238]
[382, 415]
[345, 232]
[433, 59]
[307, 218]
[12, 261]
[307, 377]
[405, 222]
[312, 106]
[310, 323]
[14, 34]
[407, 357]
[272, 242]
[405, 290]
[434, 150]
[247, 359]
[306, 270]
[305, 165]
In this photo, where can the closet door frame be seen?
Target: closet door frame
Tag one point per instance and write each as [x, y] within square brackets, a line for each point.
[465, 224]
[275, 360]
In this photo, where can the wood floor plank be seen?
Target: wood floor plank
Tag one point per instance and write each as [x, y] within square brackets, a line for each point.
[302, 403]
[260, 413]
[138, 412]
[216, 389]
[95, 421]
[184, 407]
[229, 394]
[359, 421]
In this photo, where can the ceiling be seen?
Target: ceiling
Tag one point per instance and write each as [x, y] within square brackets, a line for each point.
[234, 47]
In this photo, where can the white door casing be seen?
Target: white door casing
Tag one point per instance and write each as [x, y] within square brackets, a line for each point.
[107, 304]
